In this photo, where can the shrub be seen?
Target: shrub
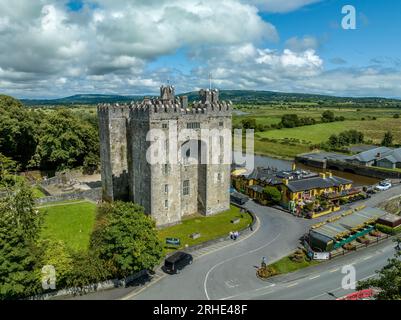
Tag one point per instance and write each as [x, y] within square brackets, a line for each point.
[387, 229]
[266, 272]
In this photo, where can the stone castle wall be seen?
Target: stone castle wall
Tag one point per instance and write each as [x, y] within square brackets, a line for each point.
[126, 173]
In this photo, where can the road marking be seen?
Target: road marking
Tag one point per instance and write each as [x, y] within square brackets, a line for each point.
[315, 277]
[292, 285]
[368, 257]
[339, 288]
[232, 258]
[334, 270]
[133, 294]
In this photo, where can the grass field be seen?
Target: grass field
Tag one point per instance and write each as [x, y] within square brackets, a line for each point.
[372, 129]
[373, 122]
[286, 265]
[70, 222]
[211, 227]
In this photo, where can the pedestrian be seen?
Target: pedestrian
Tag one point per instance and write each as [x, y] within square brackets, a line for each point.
[251, 227]
[231, 235]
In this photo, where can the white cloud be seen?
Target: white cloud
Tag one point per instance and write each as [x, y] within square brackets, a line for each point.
[281, 5]
[302, 44]
[110, 46]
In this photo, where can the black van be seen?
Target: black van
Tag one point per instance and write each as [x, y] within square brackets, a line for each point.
[177, 262]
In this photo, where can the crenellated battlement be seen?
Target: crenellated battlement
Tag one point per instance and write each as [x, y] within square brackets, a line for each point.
[168, 105]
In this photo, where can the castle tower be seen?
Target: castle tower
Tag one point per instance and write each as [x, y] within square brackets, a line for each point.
[172, 190]
[113, 122]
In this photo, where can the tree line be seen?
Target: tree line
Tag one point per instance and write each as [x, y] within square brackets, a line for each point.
[48, 140]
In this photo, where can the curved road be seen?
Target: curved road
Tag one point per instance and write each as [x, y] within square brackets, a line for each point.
[231, 270]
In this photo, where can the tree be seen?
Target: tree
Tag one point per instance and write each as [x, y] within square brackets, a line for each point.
[19, 229]
[272, 194]
[290, 121]
[126, 237]
[249, 123]
[388, 281]
[333, 141]
[17, 130]
[387, 139]
[328, 116]
[65, 141]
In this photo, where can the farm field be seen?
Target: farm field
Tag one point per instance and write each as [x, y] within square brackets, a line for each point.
[288, 142]
[71, 222]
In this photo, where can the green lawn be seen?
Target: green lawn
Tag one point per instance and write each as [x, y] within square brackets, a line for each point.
[286, 265]
[37, 193]
[211, 227]
[71, 222]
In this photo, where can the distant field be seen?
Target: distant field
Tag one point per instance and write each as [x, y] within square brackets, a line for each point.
[70, 222]
[372, 129]
[373, 122]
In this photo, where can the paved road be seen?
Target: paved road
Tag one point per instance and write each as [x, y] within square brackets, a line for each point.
[230, 271]
[323, 282]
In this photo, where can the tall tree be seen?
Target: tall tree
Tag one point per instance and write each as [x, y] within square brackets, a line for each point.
[387, 139]
[127, 237]
[19, 229]
[66, 141]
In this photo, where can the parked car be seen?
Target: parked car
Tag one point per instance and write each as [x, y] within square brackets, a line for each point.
[177, 261]
[384, 185]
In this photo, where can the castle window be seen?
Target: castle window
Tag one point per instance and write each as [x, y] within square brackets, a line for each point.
[165, 204]
[193, 125]
[221, 124]
[166, 169]
[165, 125]
[166, 188]
[185, 188]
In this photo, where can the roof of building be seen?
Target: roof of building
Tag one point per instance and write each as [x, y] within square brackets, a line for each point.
[346, 224]
[257, 188]
[394, 156]
[316, 183]
[393, 218]
[372, 154]
[273, 177]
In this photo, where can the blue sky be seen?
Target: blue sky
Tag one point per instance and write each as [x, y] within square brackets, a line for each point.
[54, 48]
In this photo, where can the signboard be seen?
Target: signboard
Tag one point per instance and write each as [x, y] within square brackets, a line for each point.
[321, 256]
[173, 241]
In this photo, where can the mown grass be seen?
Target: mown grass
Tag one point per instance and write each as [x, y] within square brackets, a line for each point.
[71, 223]
[286, 265]
[211, 227]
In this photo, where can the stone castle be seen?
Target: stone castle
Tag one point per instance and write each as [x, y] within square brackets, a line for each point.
[168, 191]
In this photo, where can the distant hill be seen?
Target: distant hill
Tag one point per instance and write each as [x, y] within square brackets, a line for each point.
[236, 96]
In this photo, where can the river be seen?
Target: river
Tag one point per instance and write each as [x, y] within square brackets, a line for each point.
[265, 161]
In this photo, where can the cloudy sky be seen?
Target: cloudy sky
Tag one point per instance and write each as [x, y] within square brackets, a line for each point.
[56, 48]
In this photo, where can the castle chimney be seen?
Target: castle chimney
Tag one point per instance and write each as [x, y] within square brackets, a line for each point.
[205, 95]
[184, 102]
[215, 96]
[167, 93]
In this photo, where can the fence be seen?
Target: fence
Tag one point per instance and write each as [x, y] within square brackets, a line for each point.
[92, 194]
[359, 246]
